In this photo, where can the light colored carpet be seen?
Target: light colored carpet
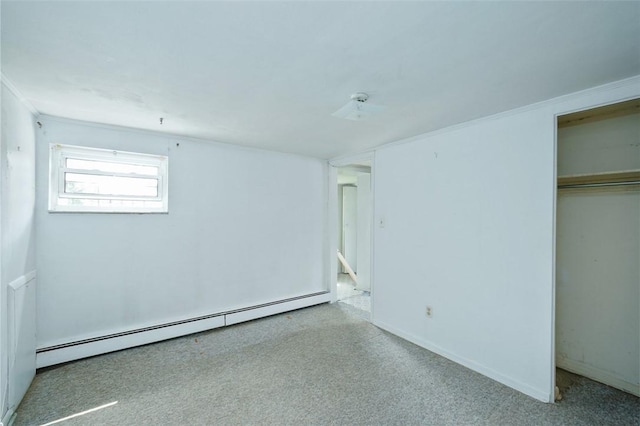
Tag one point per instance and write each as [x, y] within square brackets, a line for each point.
[323, 365]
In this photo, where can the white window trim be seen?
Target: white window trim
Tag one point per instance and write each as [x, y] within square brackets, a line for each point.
[58, 154]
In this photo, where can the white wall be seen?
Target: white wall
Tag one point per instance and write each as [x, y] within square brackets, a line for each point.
[340, 227]
[17, 197]
[244, 227]
[350, 226]
[469, 230]
[364, 232]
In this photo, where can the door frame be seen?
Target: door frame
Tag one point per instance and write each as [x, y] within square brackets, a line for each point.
[602, 96]
[332, 238]
[351, 237]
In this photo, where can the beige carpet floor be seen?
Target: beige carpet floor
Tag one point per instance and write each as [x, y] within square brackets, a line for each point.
[324, 365]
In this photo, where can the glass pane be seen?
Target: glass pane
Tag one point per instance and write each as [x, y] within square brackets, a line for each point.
[76, 183]
[106, 166]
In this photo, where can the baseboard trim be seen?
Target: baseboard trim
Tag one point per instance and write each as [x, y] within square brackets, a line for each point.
[8, 418]
[598, 375]
[479, 368]
[85, 348]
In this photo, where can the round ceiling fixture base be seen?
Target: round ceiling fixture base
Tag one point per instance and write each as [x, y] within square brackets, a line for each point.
[359, 97]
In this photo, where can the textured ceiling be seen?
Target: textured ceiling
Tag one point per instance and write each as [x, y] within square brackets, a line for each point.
[269, 74]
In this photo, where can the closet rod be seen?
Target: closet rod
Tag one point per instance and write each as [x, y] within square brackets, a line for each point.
[596, 185]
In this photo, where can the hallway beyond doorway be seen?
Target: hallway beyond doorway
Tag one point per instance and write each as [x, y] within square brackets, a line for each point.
[348, 294]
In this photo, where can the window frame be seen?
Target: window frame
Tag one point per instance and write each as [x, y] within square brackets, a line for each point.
[59, 153]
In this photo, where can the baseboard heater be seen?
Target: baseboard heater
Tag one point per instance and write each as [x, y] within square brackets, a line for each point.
[57, 354]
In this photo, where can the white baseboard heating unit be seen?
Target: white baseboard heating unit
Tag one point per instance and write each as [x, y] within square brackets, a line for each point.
[58, 354]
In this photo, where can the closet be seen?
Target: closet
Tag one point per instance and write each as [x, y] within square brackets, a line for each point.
[598, 245]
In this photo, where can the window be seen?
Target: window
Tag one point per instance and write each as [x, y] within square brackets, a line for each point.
[106, 181]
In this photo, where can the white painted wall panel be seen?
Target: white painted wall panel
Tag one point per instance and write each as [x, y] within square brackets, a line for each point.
[469, 229]
[350, 225]
[364, 232]
[244, 227]
[17, 197]
[22, 336]
[340, 228]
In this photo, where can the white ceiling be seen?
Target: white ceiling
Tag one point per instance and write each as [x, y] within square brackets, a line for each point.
[269, 74]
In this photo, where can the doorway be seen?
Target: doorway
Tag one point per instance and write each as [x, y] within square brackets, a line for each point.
[597, 312]
[354, 202]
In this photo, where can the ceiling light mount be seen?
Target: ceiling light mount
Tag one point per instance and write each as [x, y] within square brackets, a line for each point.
[359, 97]
[358, 108]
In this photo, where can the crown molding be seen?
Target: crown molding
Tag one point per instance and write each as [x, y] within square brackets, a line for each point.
[558, 105]
[18, 94]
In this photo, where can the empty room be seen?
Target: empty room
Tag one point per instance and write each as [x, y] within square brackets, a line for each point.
[319, 212]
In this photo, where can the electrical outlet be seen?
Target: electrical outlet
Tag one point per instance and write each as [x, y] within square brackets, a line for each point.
[429, 312]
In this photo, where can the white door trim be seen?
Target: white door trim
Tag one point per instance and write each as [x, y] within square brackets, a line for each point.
[332, 205]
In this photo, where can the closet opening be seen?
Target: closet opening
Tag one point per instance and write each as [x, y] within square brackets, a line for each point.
[597, 303]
